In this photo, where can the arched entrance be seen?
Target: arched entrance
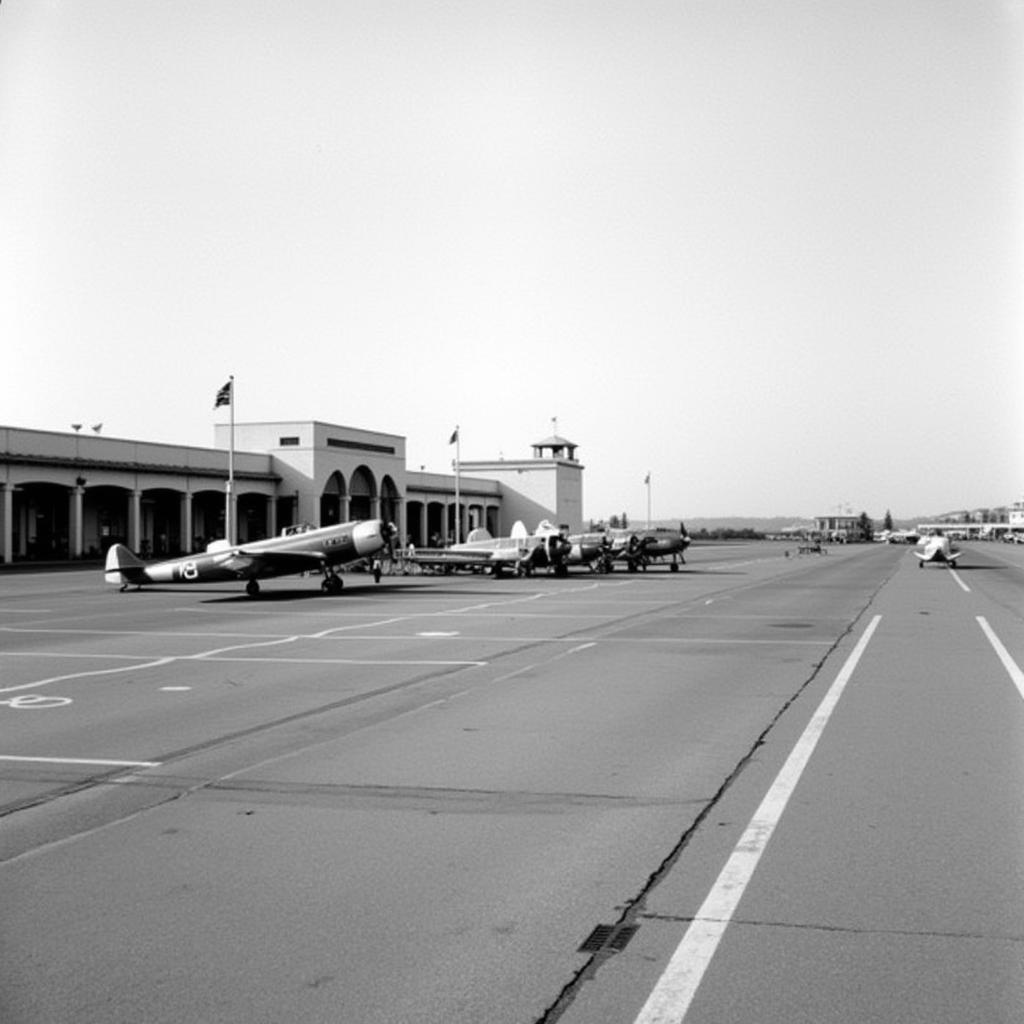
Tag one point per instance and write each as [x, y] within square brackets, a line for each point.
[364, 491]
[332, 500]
[207, 518]
[41, 521]
[252, 517]
[161, 522]
[435, 524]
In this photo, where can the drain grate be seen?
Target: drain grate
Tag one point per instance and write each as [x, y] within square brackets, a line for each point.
[611, 937]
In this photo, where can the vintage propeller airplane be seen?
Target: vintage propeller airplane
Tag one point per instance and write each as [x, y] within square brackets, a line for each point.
[298, 549]
[521, 552]
[638, 549]
[935, 548]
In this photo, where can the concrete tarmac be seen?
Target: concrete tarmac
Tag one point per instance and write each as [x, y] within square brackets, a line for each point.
[416, 801]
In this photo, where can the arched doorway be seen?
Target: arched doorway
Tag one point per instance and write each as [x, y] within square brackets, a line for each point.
[363, 491]
[41, 521]
[161, 522]
[332, 500]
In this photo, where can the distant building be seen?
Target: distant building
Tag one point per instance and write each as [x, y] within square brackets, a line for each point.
[841, 529]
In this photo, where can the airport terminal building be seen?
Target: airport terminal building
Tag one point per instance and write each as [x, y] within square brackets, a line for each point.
[72, 495]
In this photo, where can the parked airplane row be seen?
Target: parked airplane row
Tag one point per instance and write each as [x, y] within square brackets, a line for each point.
[302, 549]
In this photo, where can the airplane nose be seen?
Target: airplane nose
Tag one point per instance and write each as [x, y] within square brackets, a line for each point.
[368, 536]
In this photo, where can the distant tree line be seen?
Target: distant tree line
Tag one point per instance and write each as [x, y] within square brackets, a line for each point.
[726, 533]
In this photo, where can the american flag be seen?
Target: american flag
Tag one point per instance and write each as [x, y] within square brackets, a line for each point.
[223, 396]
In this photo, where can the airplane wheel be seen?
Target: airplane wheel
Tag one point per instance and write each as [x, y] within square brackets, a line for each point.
[252, 588]
[674, 567]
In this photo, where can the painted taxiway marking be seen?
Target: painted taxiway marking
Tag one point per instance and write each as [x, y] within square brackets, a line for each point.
[1009, 664]
[963, 586]
[84, 675]
[672, 995]
[582, 647]
[35, 702]
[93, 762]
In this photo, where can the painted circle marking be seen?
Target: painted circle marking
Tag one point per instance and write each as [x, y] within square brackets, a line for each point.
[35, 701]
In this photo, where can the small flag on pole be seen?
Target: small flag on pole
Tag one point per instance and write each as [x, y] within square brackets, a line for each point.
[454, 437]
[647, 479]
[223, 396]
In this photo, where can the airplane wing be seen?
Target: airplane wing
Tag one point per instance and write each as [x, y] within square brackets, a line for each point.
[489, 556]
[269, 563]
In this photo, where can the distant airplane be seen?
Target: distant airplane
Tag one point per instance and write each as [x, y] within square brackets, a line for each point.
[298, 549]
[640, 548]
[521, 552]
[898, 537]
[936, 548]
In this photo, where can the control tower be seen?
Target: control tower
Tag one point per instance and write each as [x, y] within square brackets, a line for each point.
[547, 486]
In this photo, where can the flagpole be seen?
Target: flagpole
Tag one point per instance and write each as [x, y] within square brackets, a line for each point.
[648, 482]
[229, 519]
[458, 508]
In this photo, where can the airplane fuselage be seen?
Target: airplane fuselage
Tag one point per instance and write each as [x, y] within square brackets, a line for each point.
[296, 550]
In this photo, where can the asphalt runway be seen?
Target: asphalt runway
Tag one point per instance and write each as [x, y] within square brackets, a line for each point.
[768, 788]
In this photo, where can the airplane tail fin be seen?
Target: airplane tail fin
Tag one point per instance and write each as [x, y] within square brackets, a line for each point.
[123, 566]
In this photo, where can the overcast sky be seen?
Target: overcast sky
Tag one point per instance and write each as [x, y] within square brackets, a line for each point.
[770, 251]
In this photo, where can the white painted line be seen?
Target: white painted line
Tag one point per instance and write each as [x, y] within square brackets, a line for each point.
[103, 763]
[175, 689]
[963, 586]
[83, 675]
[438, 633]
[674, 992]
[582, 647]
[1004, 655]
[334, 661]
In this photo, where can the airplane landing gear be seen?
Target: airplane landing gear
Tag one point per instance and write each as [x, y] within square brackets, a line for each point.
[252, 588]
[332, 583]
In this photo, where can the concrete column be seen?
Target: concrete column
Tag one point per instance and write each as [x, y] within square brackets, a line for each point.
[75, 519]
[186, 522]
[345, 507]
[23, 517]
[402, 526]
[7, 523]
[135, 521]
[271, 515]
[375, 507]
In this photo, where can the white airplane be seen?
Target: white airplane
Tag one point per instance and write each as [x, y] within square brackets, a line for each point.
[298, 549]
[936, 548]
[520, 551]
